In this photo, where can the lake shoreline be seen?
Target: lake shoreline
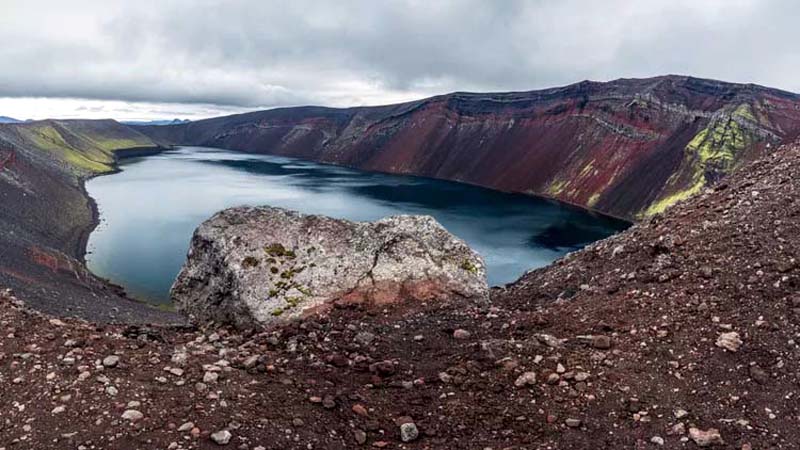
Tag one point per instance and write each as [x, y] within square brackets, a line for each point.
[541, 229]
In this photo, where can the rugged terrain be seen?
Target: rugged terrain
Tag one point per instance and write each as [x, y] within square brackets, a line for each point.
[628, 148]
[46, 215]
[678, 333]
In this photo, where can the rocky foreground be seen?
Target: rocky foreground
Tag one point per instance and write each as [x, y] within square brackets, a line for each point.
[679, 333]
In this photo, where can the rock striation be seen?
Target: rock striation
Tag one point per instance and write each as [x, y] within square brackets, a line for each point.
[259, 265]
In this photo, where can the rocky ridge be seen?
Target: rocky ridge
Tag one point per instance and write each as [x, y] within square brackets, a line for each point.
[678, 333]
[628, 148]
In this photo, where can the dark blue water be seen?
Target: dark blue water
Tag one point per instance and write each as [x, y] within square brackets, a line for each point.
[150, 210]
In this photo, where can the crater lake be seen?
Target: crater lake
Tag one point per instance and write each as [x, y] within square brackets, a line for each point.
[149, 210]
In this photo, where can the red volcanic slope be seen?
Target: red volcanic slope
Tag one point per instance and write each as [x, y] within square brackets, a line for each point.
[628, 148]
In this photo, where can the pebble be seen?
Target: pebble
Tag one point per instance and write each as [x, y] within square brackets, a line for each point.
[186, 427]
[601, 342]
[360, 410]
[132, 415]
[729, 341]
[222, 437]
[360, 437]
[573, 423]
[59, 409]
[364, 338]
[461, 334]
[658, 440]
[408, 432]
[705, 438]
[251, 362]
[526, 379]
[210, 377]
[111, 361]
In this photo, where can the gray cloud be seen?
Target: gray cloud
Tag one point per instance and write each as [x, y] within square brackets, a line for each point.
[248, 54]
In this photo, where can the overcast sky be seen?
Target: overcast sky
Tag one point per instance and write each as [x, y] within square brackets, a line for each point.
[143, 59]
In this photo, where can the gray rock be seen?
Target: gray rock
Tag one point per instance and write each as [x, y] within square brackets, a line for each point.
[364, 338]
[111, 361]
[527, 378]
[261, 265]
[408, 432]
[132, 415]
[222, 437]
[360, 437]
[573, 423]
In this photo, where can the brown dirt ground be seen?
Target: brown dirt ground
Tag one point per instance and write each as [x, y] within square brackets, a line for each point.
[660, 295]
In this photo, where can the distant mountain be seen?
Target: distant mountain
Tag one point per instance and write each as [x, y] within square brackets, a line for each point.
[629, 148]
[6, 119]
[156, 122]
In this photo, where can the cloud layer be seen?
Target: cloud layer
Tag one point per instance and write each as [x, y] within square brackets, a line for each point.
[237, 54]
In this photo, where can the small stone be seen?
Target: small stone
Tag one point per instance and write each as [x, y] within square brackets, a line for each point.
[573, 423]
[758, 375]
[360, 410]
[553, 378]
[680, 413]
[222, 437]
[729, 341]
[581, 376]
[210, 377]
[705, 438]
[250, 362]
[186, 427]
[328, 402]
[59, 409]
[408, 432]
[132, 415]
[419, 338]
[112, 391]
[360, 437]
[364, 338]
[658, 440]
[178, 372]
[601, 342]
[461, 334]
[111, 361]
[560, 368]
[526, 379]
[298, 422]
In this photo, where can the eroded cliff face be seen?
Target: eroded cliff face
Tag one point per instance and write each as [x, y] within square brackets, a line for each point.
[629, 148]
[260, 265]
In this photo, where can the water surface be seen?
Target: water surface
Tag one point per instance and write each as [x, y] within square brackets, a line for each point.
[151, 208]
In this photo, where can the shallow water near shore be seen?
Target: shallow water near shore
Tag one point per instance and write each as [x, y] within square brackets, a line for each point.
[150, 209]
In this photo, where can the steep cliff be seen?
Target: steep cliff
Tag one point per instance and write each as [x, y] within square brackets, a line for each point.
[629, 148]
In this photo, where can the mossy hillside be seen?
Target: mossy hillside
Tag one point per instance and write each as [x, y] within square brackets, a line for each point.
[87, 147]
[711, 153]
[47, 138]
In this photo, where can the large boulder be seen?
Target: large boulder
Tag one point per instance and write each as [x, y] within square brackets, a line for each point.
[253, 265]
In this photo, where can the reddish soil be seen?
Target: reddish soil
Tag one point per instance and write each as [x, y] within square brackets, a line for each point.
[623, 338]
